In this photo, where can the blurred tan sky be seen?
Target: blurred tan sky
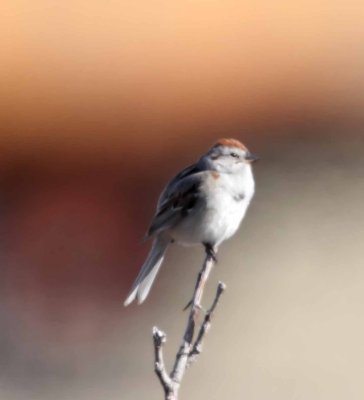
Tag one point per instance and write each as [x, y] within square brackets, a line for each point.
[83, 74]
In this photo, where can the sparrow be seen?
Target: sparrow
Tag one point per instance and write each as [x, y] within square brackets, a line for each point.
[203, 204]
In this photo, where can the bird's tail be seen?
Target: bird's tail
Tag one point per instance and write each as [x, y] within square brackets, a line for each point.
[148, 271]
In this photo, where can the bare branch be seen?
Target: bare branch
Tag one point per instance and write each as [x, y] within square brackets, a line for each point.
[159, 338]
[197, 346]
[187, 342]
[189, 349]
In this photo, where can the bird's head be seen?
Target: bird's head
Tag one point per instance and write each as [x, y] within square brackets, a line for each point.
[229, 156]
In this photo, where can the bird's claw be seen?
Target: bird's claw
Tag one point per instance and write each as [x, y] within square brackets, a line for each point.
[211, 252]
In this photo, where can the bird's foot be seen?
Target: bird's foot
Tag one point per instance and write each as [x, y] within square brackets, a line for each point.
[211, 252]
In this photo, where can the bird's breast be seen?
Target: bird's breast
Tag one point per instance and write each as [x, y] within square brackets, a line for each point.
[217, 214]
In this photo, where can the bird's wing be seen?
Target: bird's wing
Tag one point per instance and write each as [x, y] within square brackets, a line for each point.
[190, 170]
[179, 197]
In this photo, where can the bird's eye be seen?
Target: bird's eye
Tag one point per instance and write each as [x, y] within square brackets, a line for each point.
[234, 155]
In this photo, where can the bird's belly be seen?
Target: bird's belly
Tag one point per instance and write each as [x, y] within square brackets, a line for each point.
[213, 221]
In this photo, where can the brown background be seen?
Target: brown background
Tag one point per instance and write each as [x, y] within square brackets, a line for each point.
[101, 103]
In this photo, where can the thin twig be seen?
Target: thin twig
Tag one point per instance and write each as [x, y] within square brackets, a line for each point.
[159, 338]
[189, 349]
[180, 364]
[197, 346]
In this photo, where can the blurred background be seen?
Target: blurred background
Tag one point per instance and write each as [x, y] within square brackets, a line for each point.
[100, 104]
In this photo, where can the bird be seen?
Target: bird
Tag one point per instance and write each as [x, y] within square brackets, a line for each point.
[204, 204]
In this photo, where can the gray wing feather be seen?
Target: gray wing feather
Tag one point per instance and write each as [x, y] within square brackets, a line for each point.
[180, 196]
[168, 190]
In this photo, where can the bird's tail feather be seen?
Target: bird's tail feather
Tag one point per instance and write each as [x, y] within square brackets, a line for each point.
[148, 272]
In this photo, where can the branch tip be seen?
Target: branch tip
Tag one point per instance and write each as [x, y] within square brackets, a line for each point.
[159, 336]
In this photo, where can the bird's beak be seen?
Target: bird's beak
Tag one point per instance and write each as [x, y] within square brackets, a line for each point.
[250, 157]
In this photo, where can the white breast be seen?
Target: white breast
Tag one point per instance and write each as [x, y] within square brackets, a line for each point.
[227, 206]
[226, 201]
